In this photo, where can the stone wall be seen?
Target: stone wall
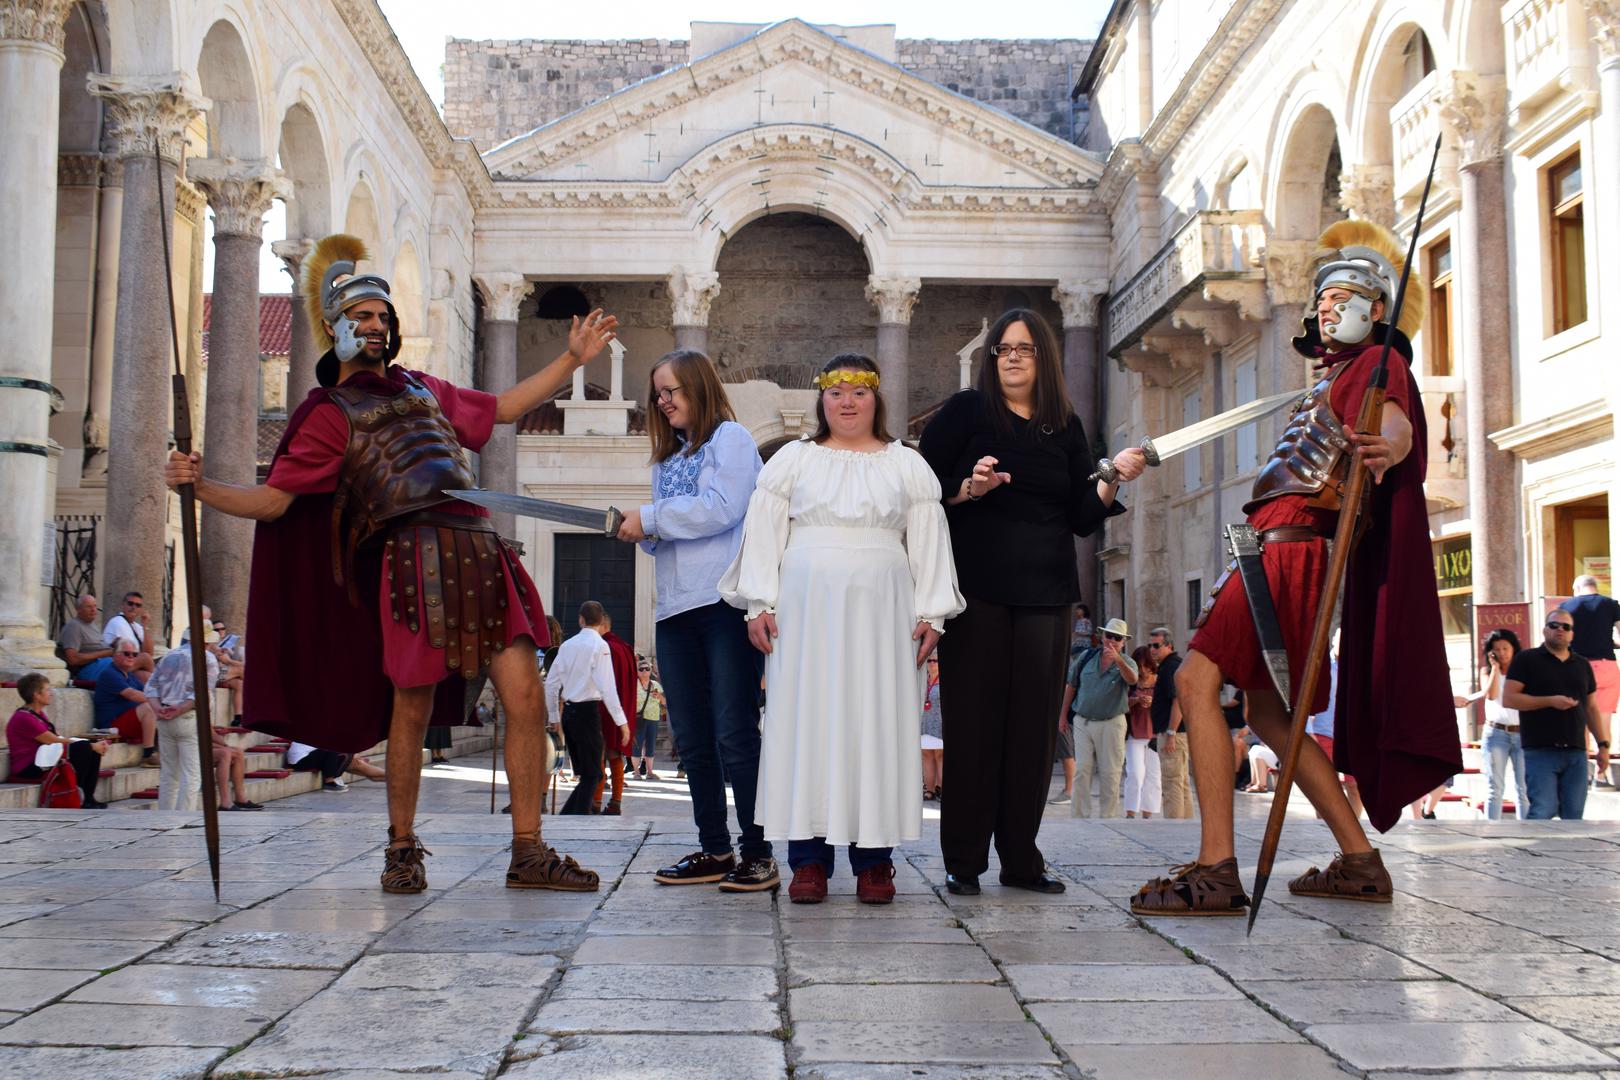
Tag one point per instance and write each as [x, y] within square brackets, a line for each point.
[495, 90]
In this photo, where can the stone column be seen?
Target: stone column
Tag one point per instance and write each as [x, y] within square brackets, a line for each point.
[894, 298]
[98, 419]
[691, 293]
[1605, 16]
[143, 112]
[301, 355]
[30, 69]
[502, 293]
[240, 194]
[1475, 110]
[1078, 302]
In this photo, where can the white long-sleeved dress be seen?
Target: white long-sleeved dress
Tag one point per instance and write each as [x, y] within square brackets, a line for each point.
[848, 550]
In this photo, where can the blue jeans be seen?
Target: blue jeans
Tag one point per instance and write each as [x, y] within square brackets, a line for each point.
[1498, 747]
[1557, 783]
[803, 852]
[711, 681]
[646, 739]
[94, 668]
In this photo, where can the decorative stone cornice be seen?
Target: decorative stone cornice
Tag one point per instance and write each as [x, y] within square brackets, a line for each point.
[1288, 266]
[1368, 192]
[1605, 16]
[37, 21]
[1242, 26]
[1475, 108]
[78, 170]
[1125, 163]
[188, 201]
[894, 297]
[141, 108]
[1078, 300]
[792, 40]
[502, 292]
[239, 192]
[292, 254]
[691, 293]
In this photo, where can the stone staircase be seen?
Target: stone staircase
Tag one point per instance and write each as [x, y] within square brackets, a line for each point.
[72, 713]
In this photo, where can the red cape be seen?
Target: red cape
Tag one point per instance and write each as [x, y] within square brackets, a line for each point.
[624, 678]
[1395, 728]
[317, 670]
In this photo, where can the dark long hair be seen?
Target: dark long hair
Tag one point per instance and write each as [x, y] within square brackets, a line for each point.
[700, 382]
[1052, 411]
[1500, 634]
[848, 361]
[1144, 660]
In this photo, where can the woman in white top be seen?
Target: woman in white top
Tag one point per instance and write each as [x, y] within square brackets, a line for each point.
[846, 574]
[1500, 739]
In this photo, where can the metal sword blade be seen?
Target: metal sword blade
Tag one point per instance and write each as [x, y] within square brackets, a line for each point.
[605, 522]
[1175, 442]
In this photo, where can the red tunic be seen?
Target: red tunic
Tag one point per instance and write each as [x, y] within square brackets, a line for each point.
[1395, 729]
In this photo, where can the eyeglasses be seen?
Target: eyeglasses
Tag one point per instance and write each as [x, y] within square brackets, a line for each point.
[1114, 637]
[133, 603]
[128, 654]
[1024, 350]
[665, 395]
[1158, 645]
[1560, 626]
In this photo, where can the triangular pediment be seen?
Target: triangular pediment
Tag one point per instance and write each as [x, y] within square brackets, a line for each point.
[793, 77]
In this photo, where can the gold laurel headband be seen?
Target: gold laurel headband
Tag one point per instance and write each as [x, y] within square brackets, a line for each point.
[829, 379]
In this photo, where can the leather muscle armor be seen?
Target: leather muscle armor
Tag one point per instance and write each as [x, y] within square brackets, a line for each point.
[402, 455]
[1310, 457]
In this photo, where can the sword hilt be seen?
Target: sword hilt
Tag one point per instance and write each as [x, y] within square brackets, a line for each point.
[1108, 474]
[614, 519]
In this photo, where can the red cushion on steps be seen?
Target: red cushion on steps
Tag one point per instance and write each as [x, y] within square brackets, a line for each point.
[269, 774]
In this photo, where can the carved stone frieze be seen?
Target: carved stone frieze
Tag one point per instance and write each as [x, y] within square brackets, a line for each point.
[38, 21]
[502, 292]
[142, 109]
[239, 192]
[894, 297]
[691, 292]
[78, 170]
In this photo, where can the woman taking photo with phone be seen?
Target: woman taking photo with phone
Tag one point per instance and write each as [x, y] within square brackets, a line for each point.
[845, 573]
[704, 467]
[1013, 461]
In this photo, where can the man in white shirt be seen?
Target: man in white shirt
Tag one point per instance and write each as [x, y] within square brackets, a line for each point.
[580, 679]
[131, 622]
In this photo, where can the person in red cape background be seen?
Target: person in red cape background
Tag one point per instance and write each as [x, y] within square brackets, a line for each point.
[1395, 727]
[370, 588]
[624, 680]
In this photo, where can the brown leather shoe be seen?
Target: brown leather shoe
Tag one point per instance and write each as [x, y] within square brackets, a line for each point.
[403, 871]
[537, 865]
[1348, 877]
[875, 884]
[1193, 889]
[809, 885]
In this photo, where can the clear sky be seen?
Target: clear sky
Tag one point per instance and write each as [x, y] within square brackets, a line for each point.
[423, 25]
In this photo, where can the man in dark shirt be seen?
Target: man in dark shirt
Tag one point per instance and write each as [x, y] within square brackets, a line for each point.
[1596, 617]
[1166, 713]
[1555, 693]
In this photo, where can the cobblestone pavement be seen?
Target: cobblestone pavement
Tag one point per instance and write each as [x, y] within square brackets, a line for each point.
[1499, 956]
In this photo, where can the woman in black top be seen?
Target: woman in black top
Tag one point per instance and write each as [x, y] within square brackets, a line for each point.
[1013, 460]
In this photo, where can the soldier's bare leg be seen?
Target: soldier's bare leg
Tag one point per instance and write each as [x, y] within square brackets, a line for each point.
[1209, 744]
[413, 707]
[1316, 776]
[517, 680]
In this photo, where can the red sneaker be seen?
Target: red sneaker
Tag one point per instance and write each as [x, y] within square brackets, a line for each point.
[809, 884]
[875, 885]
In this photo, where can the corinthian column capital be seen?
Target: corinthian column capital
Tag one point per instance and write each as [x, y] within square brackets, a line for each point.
[144, 108]
[239, 192]
[1078, 300]
[1288, 266]
[503, 292]
[1475, 107]
[1605, 16]
[39, 22]
[292, 254]
[894, 297]
[1368, 192]
[691, 292]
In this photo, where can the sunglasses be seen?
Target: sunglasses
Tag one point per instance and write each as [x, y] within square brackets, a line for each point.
[1560, 626]
[1113, 637]
[128, 654]
[133, 603]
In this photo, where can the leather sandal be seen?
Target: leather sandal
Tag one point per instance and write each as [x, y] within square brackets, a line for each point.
[1348, 877]
[1192, 889]
[403, 871]
[536, 865]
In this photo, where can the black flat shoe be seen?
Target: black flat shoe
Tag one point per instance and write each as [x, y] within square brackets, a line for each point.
[961, 886]
[1046, 883]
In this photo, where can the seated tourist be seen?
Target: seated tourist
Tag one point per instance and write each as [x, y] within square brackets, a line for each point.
[30, 728]
[80, 642]
[121, 704]
[302, 757]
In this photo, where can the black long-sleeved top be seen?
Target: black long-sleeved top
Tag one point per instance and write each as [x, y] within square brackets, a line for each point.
[1015, 545]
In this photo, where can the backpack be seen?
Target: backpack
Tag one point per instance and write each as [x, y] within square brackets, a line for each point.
[59, 790]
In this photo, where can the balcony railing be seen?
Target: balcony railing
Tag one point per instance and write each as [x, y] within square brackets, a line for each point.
[1214, 245]
[1548, 44]
[1444, 400]
[1416, 121]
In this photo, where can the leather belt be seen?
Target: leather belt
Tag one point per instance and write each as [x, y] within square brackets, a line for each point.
[1510, 729]
[1288, 534]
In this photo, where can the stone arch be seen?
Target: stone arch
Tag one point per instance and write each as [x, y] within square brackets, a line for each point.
[301, 155]
[79, 126]
[226, 76]
[141, 36]
[405, 284]
[361, 218]
[1401, 46]
[1475, 35]
[1306, 146]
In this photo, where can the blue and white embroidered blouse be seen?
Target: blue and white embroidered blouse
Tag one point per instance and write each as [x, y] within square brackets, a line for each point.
[696, 516]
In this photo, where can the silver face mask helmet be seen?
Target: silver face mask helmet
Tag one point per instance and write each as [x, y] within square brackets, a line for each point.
[1368, 276]
[338, 296]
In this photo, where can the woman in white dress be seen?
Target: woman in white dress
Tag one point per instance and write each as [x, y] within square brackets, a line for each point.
[846, 574]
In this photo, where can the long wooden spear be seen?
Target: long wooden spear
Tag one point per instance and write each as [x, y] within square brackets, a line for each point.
[202, 689]
[1368, 422]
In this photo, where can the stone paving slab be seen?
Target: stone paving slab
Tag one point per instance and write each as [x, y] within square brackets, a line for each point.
[23, 989]
[1076, 1025]
[1530, 975]
[610, 982]
[887, 962]
[141, 1063]
[852, 1070]
[936, 931]
[136, 1025]
[262, 989]
[675, 1057]
[578, 1016]
[928, 1041]
[1594, 1019]
[1208, 1061]
[1117, 982]
[267, 948]
[1333, 1001]
[477, 935]
[1081, 947]
[903, 1003]
[673, 949]
[1432, 1045]
[1347, 960]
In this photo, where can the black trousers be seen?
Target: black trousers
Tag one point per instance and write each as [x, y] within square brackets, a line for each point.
[582, 729]
[86, 766]
[329, 763]
[1001, 674]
